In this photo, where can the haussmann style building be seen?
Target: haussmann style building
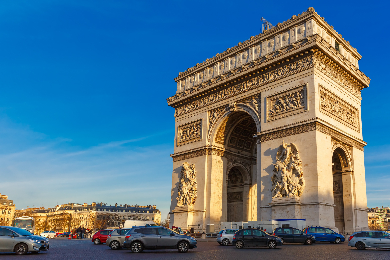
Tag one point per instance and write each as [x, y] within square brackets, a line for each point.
[271, 129]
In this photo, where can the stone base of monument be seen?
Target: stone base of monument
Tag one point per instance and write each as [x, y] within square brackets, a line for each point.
[186, 218]
[286, 208]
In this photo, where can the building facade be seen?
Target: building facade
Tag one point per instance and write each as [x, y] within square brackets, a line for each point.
[379, 218]
[95, 216]
[271, 129]
[7, 211]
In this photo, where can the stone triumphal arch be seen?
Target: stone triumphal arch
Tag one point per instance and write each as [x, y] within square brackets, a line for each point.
[271, 129]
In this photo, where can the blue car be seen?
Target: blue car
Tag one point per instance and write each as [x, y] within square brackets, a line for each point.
[322, 234]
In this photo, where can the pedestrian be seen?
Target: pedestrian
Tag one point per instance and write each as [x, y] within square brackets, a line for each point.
[78, 232]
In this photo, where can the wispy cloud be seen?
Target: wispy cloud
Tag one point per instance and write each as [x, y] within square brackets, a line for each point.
[44, 173]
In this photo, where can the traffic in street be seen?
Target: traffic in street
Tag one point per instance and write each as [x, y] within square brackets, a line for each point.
[63, 248]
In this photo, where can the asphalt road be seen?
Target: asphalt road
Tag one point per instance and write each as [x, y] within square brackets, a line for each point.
[84, 249]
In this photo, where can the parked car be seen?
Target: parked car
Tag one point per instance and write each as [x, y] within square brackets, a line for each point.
[48, 234]
[254, 238]
[155, 237]
[20, 241]
[225, 236]
[101, 236]
[294, 235]
[369, 239]
[65, 234]
[117, 237]
[322, 234]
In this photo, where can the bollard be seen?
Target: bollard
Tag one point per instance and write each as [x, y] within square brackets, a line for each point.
[203, 235]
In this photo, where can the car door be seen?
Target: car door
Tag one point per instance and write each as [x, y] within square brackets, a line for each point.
[298, 236]
[288, 235]
[7, 240]
[122, 235]
[320, 234]
[386, 240]
[248, 238]
[259, 238]
[167, 238]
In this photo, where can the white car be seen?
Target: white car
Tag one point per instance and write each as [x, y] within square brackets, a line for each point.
[48, 234]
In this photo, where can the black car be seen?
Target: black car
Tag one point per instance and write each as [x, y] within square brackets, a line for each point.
[254, 238]
[293, 235]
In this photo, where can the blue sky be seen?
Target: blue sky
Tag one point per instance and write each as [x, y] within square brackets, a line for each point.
[83, 112]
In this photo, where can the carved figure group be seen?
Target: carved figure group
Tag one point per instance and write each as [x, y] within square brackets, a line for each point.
[189, 132]
[287, 180]
[188, 187]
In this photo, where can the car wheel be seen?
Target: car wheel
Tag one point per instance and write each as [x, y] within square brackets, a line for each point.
[97, 241]
[337, 240]
[137, 247]
[21, 249]
[308, 241]
[239, 244]
[272, 244]
[183, 247]
[225, 242]
[114, 245]
[360, 245]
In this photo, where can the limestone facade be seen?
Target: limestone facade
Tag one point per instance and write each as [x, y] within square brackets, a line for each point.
[7, 211]
[95, 216]
[272, 129]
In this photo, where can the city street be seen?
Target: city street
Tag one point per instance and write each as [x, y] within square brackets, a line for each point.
[84, 249]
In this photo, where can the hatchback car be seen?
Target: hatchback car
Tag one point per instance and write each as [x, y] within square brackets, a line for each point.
[370, 239]
[293, 235]
[117, 237]
[140, 238]
[101, 236]
[322, 234]
[225, 237]
[48, 234]
[254, 238]
[20, 241]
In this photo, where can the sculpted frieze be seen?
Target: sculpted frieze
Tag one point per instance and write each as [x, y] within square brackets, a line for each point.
[287, 103]
[287, 180]
[190, 132]
[255, 81]
[338, 109]
[188, 187]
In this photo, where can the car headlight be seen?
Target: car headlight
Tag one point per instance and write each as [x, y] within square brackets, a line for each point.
[34, 240]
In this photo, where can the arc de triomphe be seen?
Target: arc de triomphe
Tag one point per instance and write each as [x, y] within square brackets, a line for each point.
[271, 129]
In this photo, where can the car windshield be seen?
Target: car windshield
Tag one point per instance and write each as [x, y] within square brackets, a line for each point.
[20, 231]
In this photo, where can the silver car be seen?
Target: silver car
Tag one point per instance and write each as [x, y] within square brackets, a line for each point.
[369, 239]
[225, 237]
[148, 237]
[20, 241]
[116, 239]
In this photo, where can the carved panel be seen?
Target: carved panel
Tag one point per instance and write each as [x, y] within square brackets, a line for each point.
[190, 132]
[287, 180]
[287, 103]
[338, 109]
[188, 187]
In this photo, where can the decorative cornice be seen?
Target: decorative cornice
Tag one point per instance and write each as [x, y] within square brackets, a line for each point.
[278, 29]
[208, 150]
[312, 126]
[265, 76]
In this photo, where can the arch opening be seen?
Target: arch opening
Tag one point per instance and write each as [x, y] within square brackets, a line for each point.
[341, 187]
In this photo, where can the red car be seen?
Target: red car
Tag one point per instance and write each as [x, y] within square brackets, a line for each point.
[100, 237]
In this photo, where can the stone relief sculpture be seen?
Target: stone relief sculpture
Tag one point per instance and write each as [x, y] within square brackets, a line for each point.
[287, 180]
[190, 132]
[188, 187]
